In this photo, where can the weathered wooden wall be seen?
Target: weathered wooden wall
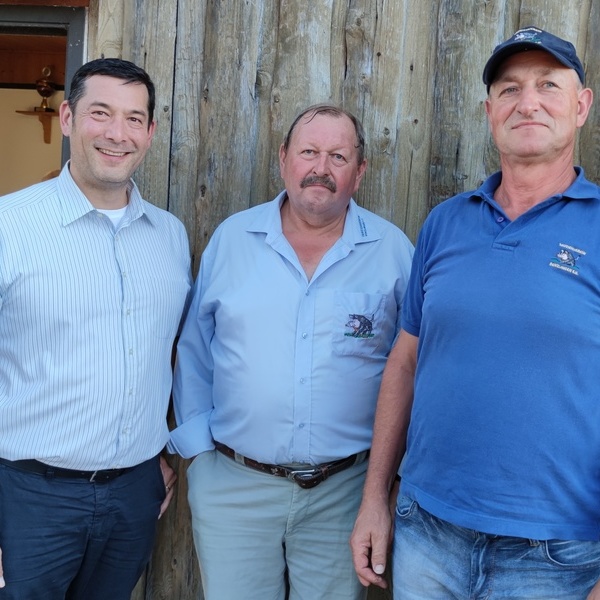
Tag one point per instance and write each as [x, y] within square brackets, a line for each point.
[231, 75]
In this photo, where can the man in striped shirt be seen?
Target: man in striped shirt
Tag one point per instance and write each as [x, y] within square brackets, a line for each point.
[93, 283]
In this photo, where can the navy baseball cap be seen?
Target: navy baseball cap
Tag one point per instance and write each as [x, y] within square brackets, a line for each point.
[532, 38]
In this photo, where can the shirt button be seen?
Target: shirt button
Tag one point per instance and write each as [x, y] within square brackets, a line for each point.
[304, 336]
[301, 426]
[302, 380]
[500, 219]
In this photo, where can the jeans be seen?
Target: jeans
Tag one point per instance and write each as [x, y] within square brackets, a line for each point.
[435, 560]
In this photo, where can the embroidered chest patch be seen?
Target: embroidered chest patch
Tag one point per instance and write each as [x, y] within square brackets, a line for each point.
[566, 259]
[362, 326]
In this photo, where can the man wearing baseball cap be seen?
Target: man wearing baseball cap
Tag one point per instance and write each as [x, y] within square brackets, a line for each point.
[492, 390]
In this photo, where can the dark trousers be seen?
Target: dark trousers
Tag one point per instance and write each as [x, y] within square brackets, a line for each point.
[69, 539]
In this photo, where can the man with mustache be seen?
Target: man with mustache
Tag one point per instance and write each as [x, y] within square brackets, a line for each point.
[492, 390]
[274, 391]
[93, 282]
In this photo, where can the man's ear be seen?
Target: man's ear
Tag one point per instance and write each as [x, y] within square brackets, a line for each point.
[282, 155]
[360, 174]
[66, 118]
[584, 103]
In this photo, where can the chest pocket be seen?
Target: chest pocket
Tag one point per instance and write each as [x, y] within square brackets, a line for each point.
[361, 325]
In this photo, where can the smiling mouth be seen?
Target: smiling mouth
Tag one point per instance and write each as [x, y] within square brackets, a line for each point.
[528, 124]
[111, 152]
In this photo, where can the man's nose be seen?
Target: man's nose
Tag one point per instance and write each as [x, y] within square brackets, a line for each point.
[321, 164]
[115, 130]
[529, 101]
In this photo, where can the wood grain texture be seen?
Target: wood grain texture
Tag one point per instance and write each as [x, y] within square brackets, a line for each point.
[150, 29]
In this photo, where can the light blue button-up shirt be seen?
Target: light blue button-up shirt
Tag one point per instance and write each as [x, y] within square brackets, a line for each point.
[280, 368]
[88, 315]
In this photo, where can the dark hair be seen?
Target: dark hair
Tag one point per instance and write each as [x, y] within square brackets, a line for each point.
[335, 111]
[112, 67]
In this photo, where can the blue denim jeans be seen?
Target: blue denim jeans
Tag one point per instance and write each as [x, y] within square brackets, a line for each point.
[435, 560]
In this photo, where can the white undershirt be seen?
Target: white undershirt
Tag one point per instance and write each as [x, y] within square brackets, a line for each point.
[114, 214]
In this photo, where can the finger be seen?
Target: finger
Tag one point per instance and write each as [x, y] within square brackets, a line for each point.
[2, 582]
[165, 467]
[369, 578]
[170, 484]
[166, 502]
[379, 555]
[361, 558]
[362, 566]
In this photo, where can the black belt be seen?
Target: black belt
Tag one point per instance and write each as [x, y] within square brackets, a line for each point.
[305, 478]
[35, 466]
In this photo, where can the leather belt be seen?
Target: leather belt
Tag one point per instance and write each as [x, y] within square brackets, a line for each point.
[305, 478]
[35, 466]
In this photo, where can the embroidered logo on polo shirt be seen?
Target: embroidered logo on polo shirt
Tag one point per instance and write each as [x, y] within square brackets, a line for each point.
[566, 259]
[362, 327]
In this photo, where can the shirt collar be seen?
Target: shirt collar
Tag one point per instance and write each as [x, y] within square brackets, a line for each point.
[580, 189]
[74, 203]
[359, 227]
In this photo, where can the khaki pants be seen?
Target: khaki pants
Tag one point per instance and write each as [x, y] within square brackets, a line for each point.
[255, 533]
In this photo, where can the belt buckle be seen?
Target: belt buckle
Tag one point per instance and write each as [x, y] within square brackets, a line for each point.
[93, 477]
[306, 478]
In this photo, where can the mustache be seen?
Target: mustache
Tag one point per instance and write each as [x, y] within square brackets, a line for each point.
[316, 180]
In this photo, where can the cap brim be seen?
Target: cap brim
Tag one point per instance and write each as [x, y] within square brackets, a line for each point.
[493, 64]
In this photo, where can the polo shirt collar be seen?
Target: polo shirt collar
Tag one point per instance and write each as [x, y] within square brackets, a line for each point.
[580, 189]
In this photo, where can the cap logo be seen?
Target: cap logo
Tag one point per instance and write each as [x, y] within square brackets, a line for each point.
[527, 35]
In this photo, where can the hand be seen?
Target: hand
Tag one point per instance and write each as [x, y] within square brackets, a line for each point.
[2, 583]
[595, 593]
[169, 478]
[370, 542]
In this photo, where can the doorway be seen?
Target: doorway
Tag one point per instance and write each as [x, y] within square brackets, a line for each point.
[40, 50]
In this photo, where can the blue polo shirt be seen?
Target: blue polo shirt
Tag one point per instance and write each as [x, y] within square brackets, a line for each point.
[505, 429]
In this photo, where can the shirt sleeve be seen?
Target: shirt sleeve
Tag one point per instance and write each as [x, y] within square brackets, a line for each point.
[412, 307]
[193, 377]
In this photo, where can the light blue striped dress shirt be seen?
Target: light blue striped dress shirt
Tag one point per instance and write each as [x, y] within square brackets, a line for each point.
[88, 316]
[267, 362]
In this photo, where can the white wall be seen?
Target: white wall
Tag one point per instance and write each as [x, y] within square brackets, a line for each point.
[24, 157]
